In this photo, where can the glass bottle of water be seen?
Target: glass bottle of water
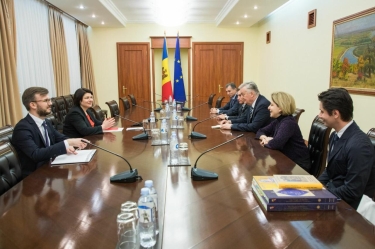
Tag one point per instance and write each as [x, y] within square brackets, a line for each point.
[146, 213]
[173, 145]
[152, 192]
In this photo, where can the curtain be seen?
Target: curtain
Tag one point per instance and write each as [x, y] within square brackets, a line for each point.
[34, 63]
[59, 53]
[73, 53]
[87, 73]
[10, 110]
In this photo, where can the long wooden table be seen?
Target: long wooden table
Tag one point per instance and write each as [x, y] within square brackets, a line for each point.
[75, 206]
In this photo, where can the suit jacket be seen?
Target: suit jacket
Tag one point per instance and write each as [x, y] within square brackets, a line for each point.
[241, 113]
[30, 145]
[232, 105]
[259, 118]
[350, 170]
[77, 125]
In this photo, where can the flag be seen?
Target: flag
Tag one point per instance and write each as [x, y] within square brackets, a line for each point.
[166, 78]
[179, 88]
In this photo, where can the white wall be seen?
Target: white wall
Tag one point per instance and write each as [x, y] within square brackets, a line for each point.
[298, 59]
[103, 48]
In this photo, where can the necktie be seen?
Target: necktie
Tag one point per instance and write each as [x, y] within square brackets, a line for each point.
[334, 140]
[44, 124]
[250, 114]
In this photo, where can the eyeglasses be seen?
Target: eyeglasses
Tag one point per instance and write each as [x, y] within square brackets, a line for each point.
[43, 100]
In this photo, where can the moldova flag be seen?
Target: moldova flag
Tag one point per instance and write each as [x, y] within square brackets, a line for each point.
[179, 88]
[166, 78]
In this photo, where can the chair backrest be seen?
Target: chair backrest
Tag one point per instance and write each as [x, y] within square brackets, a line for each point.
[318, 146]
[53, 120]
[219, 101]
[6, 133]
[211, 98]
[10, 167]
[113, 108]
[69, 103]
[297, 114]
[371, 135]
[59, 125]
[60, 109]
[125, 103]
[132, 98]
[97, 111]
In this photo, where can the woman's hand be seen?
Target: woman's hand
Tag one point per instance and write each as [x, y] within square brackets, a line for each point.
[108, 123]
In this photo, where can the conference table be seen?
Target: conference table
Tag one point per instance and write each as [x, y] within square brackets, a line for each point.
[75, 206]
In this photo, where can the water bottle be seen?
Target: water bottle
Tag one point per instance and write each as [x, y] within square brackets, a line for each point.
[167, 110]
[164, 132]
[174, 119]
[174, 105]
[152, 192]
[146, 213]
[173, 149]
[152, 121]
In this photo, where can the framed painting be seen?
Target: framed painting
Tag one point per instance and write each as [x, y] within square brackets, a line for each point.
[353, 53]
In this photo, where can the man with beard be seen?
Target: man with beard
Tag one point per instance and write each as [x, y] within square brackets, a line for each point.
[34, 137]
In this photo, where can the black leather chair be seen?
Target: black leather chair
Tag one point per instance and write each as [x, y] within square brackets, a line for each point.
[132, 98]
[371, 135]
[69, 103]
[125, 103]
[297, 114]
[219, 101]
[59, 125]
[113, 108]
[318, 146]
[6, 133]
[54, 121]
[10, 167]
[60, 109]
[98, 112]
[211, 98]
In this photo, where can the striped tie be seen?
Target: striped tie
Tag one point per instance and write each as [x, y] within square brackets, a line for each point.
[250, 114]
[44, 124]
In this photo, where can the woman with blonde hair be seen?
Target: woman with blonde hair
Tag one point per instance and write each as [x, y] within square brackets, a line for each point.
[283, 133]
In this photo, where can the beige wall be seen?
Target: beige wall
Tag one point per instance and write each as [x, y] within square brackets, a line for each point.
[103, 48]
[298, 59]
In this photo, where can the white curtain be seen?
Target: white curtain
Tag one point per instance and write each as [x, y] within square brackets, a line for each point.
[73, 53]
[34, 60]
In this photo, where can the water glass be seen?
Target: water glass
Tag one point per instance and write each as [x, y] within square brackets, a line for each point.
[146, 124]
[130, 207]
[183, 153]
[162, 114]
[178, 108]
[180, 122]
[155, 133]
[127, 231]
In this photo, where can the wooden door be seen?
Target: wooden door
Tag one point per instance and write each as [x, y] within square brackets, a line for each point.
[215, 65]
[133, 64]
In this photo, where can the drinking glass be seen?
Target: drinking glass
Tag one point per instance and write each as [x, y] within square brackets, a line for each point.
[183, 153]
[146, 124]
[180, 122]
[155, 133]
[127, 231]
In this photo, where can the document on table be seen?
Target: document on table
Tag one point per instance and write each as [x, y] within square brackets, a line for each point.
[216, 126]
[83, 156]
[113, 129]
[134, 129]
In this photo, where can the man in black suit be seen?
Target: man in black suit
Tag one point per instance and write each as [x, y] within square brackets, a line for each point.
[257, 116]
[350, 171]
[241, 111]
[232, 105]
[34, 137]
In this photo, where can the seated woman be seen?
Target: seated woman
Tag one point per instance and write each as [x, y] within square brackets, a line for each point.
[78, 122]
[284, 133]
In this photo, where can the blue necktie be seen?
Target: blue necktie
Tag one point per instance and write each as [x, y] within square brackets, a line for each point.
[250, 114]
[334, 140]
[44, 124]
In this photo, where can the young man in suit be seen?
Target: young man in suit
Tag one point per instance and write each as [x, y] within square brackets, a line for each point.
[35, 139]
[232, 105]
[350, 171]
[257, 116]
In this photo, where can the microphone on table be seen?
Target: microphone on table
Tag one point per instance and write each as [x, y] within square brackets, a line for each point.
[126, 176]
[191, 118]
[203, 175]
[142, 136]
[156, 109]
[194, 134]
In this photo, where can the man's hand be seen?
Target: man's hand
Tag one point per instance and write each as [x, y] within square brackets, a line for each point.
[76, 142]
[226, 126]
[214, 110]
[71, 150]
[221, 117]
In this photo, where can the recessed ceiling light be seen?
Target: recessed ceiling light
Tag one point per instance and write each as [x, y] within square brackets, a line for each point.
[81, 7]
[93, 15]
[237, 22]
[245, 16]
[255, 7]
[103, 22]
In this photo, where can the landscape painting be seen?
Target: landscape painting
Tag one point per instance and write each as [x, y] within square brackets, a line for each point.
[353, 53]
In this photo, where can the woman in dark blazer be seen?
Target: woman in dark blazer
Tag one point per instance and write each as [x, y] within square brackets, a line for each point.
[79, 122]
[284, 133]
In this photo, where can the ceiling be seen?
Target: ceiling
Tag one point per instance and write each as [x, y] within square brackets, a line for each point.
[119, 13]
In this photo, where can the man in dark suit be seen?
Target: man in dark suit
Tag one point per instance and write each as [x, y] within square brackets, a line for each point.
[350, 171]
[257, 116]
[232, 105]
[34, 137]
[241, 111]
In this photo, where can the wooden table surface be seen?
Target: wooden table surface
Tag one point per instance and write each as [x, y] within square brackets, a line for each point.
[75, 206]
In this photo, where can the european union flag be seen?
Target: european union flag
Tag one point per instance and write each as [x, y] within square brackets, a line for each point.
[179, 88]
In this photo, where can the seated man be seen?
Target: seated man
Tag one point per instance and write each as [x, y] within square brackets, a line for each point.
[34, 137]
[240, 113]
[232, 105]
[257, 116]
[350, 171]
